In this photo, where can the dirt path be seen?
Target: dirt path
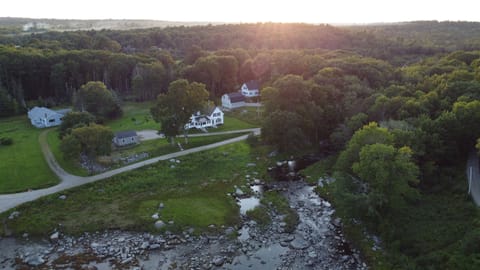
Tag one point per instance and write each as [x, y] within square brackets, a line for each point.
[8, 201]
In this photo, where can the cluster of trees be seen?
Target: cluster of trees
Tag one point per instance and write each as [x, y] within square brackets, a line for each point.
[79, 131]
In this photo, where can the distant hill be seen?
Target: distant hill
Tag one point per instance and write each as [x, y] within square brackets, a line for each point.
[25, 25]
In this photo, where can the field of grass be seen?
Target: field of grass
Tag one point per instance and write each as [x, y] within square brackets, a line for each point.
[251, 115]
[194, 193]
[136, 116]
[22, 166]
[161, 146]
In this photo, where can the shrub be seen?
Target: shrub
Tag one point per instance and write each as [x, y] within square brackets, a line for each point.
[6, 141]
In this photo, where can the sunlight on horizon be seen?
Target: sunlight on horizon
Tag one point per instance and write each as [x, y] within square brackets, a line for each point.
[309, 11]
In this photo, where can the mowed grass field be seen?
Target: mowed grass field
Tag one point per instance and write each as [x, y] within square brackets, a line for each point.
[136, 116]
[194, 193]
[22, 165]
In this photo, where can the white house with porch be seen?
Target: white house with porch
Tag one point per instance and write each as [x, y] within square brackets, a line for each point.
[210, 118]
[250, 89]
[42, 117]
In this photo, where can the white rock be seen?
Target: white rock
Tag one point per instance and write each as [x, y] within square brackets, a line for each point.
[155, 216]
[54, 236]
[159, 224]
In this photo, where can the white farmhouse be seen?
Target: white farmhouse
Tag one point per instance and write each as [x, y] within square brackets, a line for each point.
[250, 89]
[42, 117]
[123, 138]
[233, 100]
[211, 118]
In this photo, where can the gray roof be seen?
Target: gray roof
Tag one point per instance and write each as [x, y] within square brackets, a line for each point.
[252, 85]
[236, 97]
[125, 134]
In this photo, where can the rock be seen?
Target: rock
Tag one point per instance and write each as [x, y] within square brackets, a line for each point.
[172, 166]
[62, 197]
[155, 216]
[327, 204]
[159, 224]
[172, 160]
[239, 192]
[127, 260]
[54, 236]
[161, 205]
[25, 235]
[178, 161]
[299, 243]
[337, 222]
[14, 214]
[251, 164]
[154, 246]
[35, 260]
[272, 154]
[218, 261]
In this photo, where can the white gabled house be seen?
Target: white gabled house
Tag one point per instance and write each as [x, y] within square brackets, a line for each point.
[233, 100]
[123, 138]
[42, 117]
[211, 118]
[250, 89]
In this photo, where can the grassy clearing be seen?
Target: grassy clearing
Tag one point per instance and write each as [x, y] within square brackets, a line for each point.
[194, 194]
[22, 165]
[251, 115]
[136, 116]
[162, 146]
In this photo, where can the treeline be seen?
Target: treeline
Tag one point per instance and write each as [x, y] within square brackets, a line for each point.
[397, 42]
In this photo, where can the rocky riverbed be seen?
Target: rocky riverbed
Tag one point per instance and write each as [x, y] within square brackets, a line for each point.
[316, 243]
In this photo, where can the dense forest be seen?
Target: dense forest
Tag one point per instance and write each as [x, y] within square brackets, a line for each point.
[397, 106]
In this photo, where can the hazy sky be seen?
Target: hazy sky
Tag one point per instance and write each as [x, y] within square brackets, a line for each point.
[311, 11]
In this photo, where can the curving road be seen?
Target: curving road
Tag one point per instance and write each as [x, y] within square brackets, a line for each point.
[8, 201]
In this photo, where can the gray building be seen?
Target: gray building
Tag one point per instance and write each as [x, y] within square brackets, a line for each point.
[123, 138]
[233, 100]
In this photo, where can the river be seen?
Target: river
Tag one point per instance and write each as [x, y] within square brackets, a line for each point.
[316, 243]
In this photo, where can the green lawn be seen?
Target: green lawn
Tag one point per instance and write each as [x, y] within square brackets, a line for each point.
[194, 193]
[22, 165]
[136, 116]
[162, 146]
[251, 115]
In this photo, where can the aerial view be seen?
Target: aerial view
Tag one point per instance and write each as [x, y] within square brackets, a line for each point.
[239, 135]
